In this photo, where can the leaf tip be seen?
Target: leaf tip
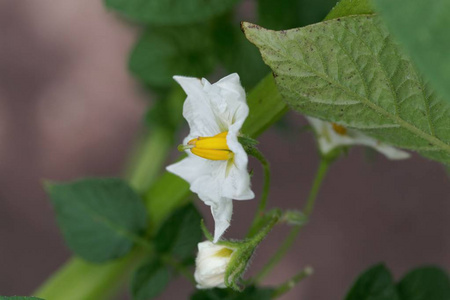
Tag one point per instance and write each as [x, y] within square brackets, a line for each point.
[47, 184]
[247, 26]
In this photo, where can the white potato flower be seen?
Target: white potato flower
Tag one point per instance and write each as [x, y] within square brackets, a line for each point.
[331, 136]
[211, 264]
[216, 163]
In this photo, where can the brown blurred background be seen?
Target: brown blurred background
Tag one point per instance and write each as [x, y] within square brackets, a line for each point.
[69, 109]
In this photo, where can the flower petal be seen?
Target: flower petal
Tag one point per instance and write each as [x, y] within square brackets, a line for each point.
[389, 151]
[197, 108]
[328, 140]
[191, 168]
[221, 211]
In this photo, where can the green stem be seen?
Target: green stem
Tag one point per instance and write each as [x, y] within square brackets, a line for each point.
[266, 187]
[290, 239]
[147, 161]
[288, 285]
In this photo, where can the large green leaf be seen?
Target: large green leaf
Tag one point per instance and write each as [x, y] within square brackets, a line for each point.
[374, 284]
[99, 218]
[348, 70]
[180, 233]
[178, 50]
[170, 12]
[425, 283]
[422, 28]
[149, 280]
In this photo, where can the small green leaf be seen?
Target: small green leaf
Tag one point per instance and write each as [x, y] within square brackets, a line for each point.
[99, 218]
[169, 12]
[349, 71]
[19, 298]
[250, 293]
[422, 28]
[149, 280]
[164, 52]
[180, 233]
[426, 283]
[237, 54]
[374, 284]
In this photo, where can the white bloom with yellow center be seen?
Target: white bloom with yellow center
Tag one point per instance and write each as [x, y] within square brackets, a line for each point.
[331, 136]
[216, 163]
[211, 264]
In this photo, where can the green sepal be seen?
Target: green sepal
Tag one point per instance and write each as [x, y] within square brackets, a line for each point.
[242, 254]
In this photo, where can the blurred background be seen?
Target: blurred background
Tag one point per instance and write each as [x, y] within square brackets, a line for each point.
[69, 108]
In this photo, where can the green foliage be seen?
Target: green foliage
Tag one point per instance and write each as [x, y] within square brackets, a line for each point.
[250, 293]
[149, 280]
[180, 233]
[285, 14]
[349, 71]
[425, 283]
[163, 52]
[236, 54]
[168, 111]
[19, 298]
[349, 8]
[99, 218]
[374, 284]
[169, 12]
[422, 28]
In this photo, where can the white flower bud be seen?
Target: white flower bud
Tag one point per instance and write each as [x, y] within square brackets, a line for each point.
[211, 264]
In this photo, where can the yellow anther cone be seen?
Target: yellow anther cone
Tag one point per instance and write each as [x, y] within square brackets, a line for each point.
[213, 148]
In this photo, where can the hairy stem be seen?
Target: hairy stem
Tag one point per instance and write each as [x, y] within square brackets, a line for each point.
[307, 210]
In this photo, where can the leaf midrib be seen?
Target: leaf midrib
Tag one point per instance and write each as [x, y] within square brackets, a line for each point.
[408, 126]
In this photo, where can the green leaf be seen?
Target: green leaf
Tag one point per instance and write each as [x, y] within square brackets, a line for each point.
[250, 293]
[422, 28]
[281, 14]
[149, 280]
[169, 12]
[285, 14]
[237, 54]
[180, 233]
[19, 298]
[349, 71]
[164, 52]
[350, 7]
[99, 218]
[425, 283]
[374, 284]
[167, 112]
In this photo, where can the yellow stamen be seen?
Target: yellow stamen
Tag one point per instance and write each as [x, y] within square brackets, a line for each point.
[213, 148]
[339, 129]
[224, 252]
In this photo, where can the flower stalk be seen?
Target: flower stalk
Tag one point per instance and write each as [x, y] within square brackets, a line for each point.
[308, 209]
